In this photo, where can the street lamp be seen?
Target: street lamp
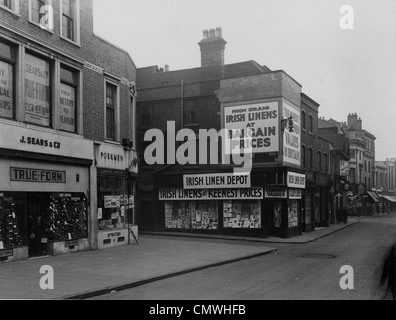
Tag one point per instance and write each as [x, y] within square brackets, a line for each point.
[287, 123]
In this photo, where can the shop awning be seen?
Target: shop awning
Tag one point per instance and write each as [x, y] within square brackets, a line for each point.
[390, 198]
[373, 196]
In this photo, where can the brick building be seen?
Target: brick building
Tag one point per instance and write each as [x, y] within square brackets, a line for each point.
[67, 112]
[199, 196]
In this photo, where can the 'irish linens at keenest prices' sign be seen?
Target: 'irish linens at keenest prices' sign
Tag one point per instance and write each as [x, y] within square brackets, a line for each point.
[212, 194]
[217, 181]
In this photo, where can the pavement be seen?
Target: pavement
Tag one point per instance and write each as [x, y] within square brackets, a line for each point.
[157, 256]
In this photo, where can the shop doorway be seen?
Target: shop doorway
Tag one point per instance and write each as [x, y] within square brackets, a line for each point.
[37, 206]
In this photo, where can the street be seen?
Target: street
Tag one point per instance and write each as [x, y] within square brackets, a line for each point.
[295, 271]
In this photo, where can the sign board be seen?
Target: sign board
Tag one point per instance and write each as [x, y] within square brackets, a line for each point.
[344, 168]
[295, 194]
[276, 193]
[217, 181]
[6, 253]
[116, 157]
[71, 243]
[17, 137]
[37, 91]
[292, 140]
[212, 194]
[252, 128]
[37, 175]
[296, 180]
[112, 202]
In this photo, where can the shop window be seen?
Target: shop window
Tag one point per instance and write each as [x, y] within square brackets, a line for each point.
[293, 213]
[70, 20]
[11, 5]
[68, 99]
[197, 215]
[242, 214]
[7, 81]
[37, 91]
[111, 111]
[277, 214]
[115, 203]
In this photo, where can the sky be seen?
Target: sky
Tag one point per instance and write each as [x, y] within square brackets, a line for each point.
[344, 70]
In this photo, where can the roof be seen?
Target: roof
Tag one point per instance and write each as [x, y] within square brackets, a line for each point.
[389, 198]
[151, 77]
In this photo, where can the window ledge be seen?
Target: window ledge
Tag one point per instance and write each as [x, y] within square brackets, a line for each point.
[40, 26]
[10, 11]
[77, 44]
[113, 142]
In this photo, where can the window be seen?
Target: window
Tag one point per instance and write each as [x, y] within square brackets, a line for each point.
[303, 156]
[310, 124]
[7, 81]
[352, 154]
[365, 166]
[303, 120]
[11, 5]
[319, 161]
[41, 13]
[111, 111]
[37, 91]
[326, 163]
[68, 99]
[70, 20]
[310, 158]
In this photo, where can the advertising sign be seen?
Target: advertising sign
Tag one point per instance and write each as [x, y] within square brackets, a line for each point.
[67, 108]
[295, 194]
[217, 181]
[6, 90]
[212, 194]
[37, 91]
[292, 140]
[112, 202]
[296, 180]
[276, 193]
[344, 168]
[252, 128]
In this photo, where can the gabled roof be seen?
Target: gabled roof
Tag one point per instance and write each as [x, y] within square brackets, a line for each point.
[151, 77]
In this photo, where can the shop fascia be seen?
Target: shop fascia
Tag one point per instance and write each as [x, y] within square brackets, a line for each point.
[15, 137]
[113, 157]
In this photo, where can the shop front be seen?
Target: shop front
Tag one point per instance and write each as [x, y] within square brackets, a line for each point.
[116, 173]
[44, 193]
[228, 204]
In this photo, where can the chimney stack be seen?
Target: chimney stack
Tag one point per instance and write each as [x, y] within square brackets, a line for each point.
[212, 48]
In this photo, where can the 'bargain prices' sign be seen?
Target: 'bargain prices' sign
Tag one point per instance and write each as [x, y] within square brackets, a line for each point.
[252, 128]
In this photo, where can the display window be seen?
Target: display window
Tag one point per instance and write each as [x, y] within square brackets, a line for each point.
[7, 80]
[12, 222]
[278, 214]
[242, 214]
[115, 203]
[191, 215]
[293, 213]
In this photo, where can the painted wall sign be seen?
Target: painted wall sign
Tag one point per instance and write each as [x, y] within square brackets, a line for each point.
[296, 180]
[212, 194]
[217, 181]
[292, 140]
[37, 91]
[6, 90]
[252, 128]
[67, 108]
[40, 142]
[93, 67]
[37, 175]
[276, 193]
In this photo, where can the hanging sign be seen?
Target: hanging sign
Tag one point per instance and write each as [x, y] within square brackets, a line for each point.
[344, 168]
